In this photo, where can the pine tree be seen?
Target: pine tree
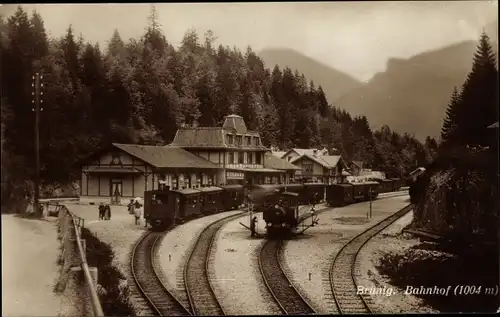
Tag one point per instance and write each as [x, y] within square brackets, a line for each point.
[450, 121]
[115, 45]
[154, 37]
[479, 98]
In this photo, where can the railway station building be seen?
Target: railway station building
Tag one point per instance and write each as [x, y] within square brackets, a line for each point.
[124, 171]
[316, 166]
[198, 156]
[239, 153]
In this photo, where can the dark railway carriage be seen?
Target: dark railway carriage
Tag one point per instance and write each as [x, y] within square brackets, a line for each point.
[339, 194]
[371, 190]
[299, 189]
[396, 184]
[358, 191]
[385, 185]
[161, 207]
[211, 200]
[313, 193]
[293, 188]
[233, 196]
[189, 202]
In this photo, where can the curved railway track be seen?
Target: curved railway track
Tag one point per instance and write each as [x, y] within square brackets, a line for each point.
[280, 287]
[199, 289]
[161, 301]
[342, 280]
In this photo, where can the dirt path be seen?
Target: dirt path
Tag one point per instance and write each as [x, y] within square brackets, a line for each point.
[29, 270]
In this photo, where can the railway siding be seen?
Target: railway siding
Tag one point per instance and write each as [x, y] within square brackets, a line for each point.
[237, 279]
[143, 269]
[342, 271]
[201, 295]
[313, 252]
[173, 251]
[388, 241]
[281, 288]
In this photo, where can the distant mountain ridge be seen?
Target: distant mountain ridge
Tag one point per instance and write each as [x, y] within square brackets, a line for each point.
[334, 82]
[411, 95]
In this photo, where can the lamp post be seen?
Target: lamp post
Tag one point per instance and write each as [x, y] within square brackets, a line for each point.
[37, 94]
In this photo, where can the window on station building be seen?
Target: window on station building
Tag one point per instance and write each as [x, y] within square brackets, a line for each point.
[187, 181]
[247, 140]
[241, 158]
[250, 158]
[308, 168]
[258, 158]
[230, 158]
[230, 139]
[182, 182]
[255, 140]
[175, 182]
[239, 139]
[199, 179]
[267, 180]
[235, 158]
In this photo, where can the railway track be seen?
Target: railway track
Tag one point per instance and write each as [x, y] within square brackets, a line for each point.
[342, 280]
[199, 289]
[286, 296]
[161, 301]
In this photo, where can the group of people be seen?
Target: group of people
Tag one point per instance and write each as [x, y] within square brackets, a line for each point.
[104, 212]
[135, 208]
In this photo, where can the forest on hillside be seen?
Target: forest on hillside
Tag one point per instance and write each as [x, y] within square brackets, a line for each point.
[142, 90]
[458, 193]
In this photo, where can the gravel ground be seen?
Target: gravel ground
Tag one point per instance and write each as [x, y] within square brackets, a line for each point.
[29, 252]
[174, 249]
[322, 242]
[238, 281]
[388, 241]
[121, 233]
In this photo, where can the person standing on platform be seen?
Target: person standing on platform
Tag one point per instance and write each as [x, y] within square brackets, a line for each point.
[137, 212]
[107, 214]
[101, 211]
[253, 224]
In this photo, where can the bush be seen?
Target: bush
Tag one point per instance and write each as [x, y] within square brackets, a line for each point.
[112, 288]
[457, 196]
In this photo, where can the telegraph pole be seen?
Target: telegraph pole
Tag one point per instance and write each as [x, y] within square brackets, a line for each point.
[37, 100]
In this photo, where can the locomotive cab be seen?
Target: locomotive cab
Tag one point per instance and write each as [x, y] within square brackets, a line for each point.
[160, 207]
[281, 216]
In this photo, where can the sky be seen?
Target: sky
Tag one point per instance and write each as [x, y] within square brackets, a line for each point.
[354, 37]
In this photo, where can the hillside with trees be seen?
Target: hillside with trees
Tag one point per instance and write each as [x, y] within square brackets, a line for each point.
[459, 191]
[457, 198]
[142, 90]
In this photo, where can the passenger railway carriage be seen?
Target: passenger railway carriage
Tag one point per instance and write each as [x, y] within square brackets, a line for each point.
[166, 206]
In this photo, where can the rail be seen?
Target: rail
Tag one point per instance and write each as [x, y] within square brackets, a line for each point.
[79, 223]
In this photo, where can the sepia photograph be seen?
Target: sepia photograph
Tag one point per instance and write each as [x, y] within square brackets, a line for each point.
[253, 158]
